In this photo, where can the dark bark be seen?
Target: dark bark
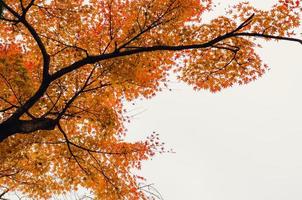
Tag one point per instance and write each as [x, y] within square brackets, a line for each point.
[10, 128]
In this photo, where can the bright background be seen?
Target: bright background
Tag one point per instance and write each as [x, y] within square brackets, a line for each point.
[243, 143]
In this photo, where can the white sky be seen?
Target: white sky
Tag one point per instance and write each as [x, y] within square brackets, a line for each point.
[243, 143]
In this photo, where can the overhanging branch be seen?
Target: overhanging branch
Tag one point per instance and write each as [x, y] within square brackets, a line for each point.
[49, 79]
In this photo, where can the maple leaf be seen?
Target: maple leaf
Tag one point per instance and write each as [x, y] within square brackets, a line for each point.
[67, 66]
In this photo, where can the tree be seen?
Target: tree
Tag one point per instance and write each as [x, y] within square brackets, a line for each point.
[66, 67]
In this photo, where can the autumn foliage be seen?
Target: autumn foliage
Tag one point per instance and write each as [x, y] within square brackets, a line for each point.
[67, 67]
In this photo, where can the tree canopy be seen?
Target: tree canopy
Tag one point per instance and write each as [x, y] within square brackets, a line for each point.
[66, 67]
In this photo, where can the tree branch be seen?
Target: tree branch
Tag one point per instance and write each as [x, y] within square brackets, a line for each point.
[46, 61]
[266, 36]
[93, 59]
[138, 50]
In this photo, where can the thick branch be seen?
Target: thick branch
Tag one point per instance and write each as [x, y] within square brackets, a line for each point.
[7, 128]
[25, 126]
[137, 50]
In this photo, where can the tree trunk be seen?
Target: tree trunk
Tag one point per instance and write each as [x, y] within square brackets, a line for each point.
[25, 127]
